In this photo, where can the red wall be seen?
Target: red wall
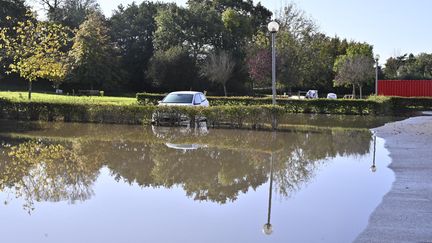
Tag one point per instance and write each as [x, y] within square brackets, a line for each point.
[405, 88]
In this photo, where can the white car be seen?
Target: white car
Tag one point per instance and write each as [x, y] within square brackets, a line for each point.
[180, 98]
[185, 98]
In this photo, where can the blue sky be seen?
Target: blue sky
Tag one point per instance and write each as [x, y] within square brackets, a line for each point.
[393, 27]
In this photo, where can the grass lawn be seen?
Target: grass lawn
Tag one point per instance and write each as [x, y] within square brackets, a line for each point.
[52, 98]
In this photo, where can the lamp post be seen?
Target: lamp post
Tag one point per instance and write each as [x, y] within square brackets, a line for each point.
[376, 73]
[273, 28]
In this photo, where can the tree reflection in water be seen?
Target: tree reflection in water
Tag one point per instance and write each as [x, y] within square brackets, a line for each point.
[37, 171]
[226, 164]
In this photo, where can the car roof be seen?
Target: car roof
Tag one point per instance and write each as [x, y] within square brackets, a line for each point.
[186, 92]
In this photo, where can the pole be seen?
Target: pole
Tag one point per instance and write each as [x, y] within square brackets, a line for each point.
[273, 68]
[376, 77]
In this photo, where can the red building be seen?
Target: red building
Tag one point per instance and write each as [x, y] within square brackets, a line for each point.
[405, 88]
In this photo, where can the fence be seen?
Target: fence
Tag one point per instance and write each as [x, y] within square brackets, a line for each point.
[405, 88]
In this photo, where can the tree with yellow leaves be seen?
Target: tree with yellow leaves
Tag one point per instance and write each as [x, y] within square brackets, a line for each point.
[37, 50]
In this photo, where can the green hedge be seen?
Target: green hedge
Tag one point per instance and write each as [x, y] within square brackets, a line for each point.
[152, 99]
[72, 112]
[238, 116]
[374, 105]
[218, 116]
[324, 106]
[416, 103]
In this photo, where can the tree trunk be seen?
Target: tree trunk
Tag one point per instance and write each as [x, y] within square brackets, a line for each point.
[361, 91]
[30, 90]
[225, 91]
[354, 94]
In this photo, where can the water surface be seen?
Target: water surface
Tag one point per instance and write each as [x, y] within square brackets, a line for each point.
[63, 182]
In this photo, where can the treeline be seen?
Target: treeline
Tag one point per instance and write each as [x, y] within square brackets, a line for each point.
[219, 46]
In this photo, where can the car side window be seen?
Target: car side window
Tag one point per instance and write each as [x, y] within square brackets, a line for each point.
[197, 99]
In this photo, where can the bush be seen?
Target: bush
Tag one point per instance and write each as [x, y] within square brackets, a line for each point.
[253, 117]
[324, 106]
[70, 112]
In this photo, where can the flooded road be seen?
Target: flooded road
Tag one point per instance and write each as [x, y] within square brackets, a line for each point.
[65, 182]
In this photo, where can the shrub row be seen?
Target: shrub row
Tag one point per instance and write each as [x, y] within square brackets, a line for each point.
[324, 106]
[374, 105]
[152, 99]
[254, 117]
[238, 116]
[218, 116]
[416, 103]
[71, 112]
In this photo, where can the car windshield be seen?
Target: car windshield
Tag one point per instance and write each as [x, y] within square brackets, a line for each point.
[178, 98]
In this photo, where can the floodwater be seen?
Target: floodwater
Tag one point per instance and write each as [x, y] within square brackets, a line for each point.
[65, 182]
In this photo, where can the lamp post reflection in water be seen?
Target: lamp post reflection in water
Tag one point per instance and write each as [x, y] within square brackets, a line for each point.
[373, 168]
[267, 228]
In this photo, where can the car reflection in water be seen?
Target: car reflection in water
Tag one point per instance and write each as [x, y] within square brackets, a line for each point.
[174, 136]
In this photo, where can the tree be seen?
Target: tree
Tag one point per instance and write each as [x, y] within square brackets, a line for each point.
[132, 30]
[95, 57]
[356, 71]
[360, 54]
[409, 67]
[71, 13]
[53, 9]
[259, 67]
[173, 69]
[14, 9]
[11, 11]
[197, 28]
[74, 12]
[219, 68]
[37, 50]
[392, 66]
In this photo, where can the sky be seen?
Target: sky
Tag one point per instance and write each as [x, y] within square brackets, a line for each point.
[393, 27]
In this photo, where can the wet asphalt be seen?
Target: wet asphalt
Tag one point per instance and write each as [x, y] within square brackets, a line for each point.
[405, 213]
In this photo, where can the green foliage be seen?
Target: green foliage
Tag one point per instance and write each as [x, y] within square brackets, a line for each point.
[355, 68]
[196, 29]
[409, 67]
[132, 30]
[323, 106]
[74, 12]
[173, 69]
[95, 60]
[72, 112]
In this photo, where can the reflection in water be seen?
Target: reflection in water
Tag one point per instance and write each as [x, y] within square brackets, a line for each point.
[38, 171]
[61, 163]
[268, 228]
[373, 168]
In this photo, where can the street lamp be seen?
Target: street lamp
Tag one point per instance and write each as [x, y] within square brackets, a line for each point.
[273, 28]
[377, 57]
